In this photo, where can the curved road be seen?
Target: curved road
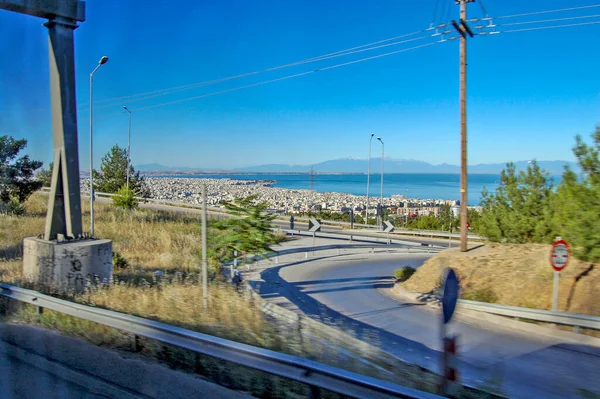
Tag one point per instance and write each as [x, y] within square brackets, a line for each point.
[351, 291]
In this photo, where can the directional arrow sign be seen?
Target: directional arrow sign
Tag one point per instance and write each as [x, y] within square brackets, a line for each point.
[313, 225]
[388, 227]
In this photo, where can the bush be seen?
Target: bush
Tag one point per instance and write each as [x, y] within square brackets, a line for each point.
[481, 295]
[404, 273]
[119, 262]
[12, 207]
[125, 198]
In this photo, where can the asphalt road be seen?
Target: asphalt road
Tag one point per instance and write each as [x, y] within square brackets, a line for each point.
[515, 363]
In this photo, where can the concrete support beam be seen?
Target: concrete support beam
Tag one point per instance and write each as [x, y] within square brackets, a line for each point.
[71, 9]
[64, 205]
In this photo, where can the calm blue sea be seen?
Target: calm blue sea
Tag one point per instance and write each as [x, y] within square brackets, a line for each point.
[424, 186]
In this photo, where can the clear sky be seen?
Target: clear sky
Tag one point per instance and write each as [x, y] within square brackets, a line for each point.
[529, 92]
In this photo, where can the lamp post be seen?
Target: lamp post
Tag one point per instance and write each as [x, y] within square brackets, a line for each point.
[102, 61]
[369, 177]
[128, 145]
[381, 199]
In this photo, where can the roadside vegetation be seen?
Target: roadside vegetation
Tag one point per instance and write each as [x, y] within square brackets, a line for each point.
[156, 276]
[520, 219]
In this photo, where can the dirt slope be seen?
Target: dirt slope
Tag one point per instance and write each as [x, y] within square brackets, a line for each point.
[518, 275]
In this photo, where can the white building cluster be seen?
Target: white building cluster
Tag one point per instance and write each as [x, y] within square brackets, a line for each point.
[280, 199]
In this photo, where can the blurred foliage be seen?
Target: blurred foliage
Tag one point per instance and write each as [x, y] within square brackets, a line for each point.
[45, 175]
[17, 181]
[404, 273]
[520, 210]
[526, 207]
[125, 198]
[248, 231]
[113, 175]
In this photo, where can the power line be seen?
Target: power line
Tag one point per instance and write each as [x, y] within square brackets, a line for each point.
[434, 19]
[550, 20]
[163, 93]
[540, 12]
[550, 27]
[287, 77]
[483, 10]
[301, 62]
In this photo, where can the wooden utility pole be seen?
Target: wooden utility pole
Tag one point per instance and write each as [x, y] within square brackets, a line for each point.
[463, 30]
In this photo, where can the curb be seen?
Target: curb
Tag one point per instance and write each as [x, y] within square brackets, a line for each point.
[484, 319]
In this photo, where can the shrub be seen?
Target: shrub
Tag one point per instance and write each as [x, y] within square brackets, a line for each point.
[119, 262]
[481, 295]
[404, 273]
[125, 198]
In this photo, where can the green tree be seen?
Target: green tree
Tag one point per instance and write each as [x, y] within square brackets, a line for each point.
[45, 175]
[112, 175]
[125, 198]
[17, 180]
[520, 211]
[248, 230]
[578, 201]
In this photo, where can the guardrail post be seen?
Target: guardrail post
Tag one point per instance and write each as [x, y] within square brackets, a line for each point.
[315, 393]
[39, 311]
[576, 329]
[137, 346]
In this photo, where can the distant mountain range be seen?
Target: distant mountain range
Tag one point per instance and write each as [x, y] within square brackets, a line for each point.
[355, 165]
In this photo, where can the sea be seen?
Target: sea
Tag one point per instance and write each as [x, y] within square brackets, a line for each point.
[422, 186]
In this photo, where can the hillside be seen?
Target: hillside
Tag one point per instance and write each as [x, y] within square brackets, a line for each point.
[518, 275]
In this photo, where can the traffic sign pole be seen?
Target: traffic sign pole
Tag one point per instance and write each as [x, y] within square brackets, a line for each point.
[555, 292]
[559, 259]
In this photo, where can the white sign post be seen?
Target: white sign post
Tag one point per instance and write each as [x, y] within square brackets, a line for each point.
[559, 259]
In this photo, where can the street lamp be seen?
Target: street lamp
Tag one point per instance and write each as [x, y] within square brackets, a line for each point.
[369, 177]
[128, 145]
[102, 61]
[382, 154]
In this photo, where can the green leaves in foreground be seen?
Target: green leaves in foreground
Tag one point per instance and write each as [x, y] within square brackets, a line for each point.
[249, 230]
[125, 198]
[578, 202]
[527, 208]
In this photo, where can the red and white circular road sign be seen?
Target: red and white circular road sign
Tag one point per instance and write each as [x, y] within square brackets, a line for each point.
[559, 256]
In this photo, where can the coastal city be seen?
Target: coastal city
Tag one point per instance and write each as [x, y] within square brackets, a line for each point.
[219, 191]
[279, 199]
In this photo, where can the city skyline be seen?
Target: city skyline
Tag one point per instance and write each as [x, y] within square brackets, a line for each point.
[525, 88]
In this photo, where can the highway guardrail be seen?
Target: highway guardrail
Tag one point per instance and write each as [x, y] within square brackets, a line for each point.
[314, 374]
[568, 319]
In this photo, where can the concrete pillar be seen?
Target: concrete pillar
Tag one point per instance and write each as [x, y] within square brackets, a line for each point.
[66, 266]
[64, 205]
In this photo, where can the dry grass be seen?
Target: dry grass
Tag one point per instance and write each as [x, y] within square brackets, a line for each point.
[518, 275]
[147, 239]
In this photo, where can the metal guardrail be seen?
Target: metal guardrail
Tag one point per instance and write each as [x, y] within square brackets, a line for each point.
[366, 239]
[567, 319]
[308, 372]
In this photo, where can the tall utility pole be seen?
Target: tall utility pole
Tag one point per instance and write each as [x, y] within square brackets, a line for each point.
[463, 29]
[381, 197]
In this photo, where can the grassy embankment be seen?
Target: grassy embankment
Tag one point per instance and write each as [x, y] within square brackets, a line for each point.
[154, 240]
[513, 274]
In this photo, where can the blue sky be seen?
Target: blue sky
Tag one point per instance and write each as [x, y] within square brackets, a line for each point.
[529, 92]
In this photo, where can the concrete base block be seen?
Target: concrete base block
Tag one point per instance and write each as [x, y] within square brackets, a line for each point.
[67, 266]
